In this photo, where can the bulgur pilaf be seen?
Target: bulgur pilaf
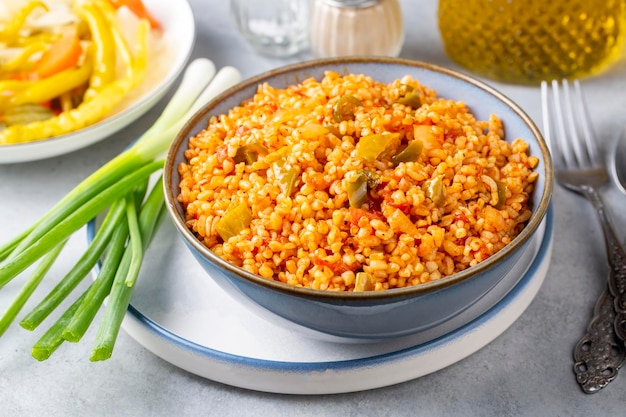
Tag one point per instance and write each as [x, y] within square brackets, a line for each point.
[350, 184]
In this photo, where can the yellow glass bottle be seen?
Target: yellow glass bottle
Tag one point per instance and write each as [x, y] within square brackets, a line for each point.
[526, 41]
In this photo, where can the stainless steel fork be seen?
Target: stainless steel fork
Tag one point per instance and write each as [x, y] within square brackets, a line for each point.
[579, 167]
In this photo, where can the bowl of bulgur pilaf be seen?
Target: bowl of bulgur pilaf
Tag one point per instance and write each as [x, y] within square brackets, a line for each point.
[362, 198]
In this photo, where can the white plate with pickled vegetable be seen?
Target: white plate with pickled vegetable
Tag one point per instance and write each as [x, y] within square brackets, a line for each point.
[74, 72]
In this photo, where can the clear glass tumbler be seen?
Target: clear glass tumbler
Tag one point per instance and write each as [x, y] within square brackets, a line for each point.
[278, 28]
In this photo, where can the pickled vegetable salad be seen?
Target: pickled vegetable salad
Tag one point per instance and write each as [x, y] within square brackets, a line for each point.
[66, 64]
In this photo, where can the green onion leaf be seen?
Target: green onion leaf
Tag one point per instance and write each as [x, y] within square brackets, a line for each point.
[117, 188]
[27, 290]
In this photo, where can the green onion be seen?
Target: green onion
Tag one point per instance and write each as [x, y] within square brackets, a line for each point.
[115, 192]
[53, 337]
[125, 277]
[65, 227]
[30, 286]
[136, 247]
[79, 271]
[95, 294]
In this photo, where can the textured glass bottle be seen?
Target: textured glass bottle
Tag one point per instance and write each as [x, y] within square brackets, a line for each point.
[525, 41]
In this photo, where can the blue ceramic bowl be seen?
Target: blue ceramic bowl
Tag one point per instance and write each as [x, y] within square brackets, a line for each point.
[426, 311]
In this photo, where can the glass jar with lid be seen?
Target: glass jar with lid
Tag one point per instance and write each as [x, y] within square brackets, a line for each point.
[356, 27]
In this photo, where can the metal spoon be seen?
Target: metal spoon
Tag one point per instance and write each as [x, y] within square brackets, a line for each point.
[601, 351]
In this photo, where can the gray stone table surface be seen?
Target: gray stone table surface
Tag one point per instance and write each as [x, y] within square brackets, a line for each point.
[527, 371]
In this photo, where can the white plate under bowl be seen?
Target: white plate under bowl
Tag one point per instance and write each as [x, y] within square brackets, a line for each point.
[178, 24]
[182, 316]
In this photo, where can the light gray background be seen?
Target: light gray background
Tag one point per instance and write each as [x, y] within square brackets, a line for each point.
[527, 371]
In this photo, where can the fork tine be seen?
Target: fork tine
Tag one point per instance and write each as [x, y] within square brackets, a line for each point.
[546, 113]
[571, 114]
[585, 126]
[554, 124]
[566, 123]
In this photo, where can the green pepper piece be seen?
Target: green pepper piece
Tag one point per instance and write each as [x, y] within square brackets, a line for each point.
[334, 130]
[357, 190]
[235, 220]
[409, 154]
[412, 99]
[286, 175]
[249, 153]
[436, 191]
[363, 282]
[370, 147]
[345, 107]
[373, 178]
[501, 194]
[406, 88]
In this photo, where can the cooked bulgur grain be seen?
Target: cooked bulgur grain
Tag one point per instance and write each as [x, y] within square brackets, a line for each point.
[326, 183]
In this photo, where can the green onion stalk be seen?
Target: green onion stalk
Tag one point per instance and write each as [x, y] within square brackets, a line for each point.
[125, 196]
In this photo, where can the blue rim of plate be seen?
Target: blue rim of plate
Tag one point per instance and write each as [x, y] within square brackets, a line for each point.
[375, 360]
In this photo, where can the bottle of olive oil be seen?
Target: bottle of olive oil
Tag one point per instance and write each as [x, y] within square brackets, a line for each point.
[526, 41]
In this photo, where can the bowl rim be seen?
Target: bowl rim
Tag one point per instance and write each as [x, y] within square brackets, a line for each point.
[456, 278]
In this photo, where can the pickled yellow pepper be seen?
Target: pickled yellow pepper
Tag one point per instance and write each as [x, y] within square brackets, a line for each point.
[104, 42]
[11, 31]
[92, 109]
[53, 86]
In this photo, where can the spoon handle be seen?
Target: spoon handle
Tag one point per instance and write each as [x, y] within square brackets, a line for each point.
[615, 252]
[617, 283]
[599, 353]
